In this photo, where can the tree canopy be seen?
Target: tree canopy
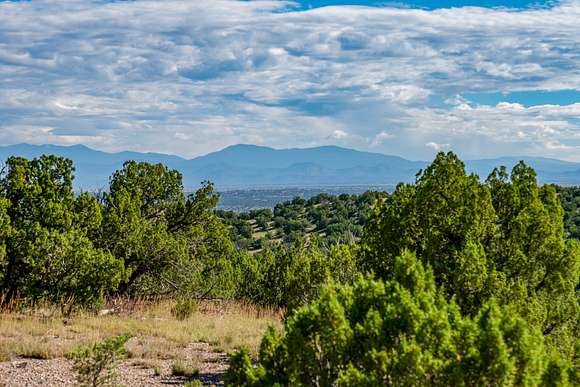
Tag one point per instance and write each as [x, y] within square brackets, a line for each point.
[143, 234]
[167, 240]
[476, 284]
[401, 332]
[502, 238]
[47, 251]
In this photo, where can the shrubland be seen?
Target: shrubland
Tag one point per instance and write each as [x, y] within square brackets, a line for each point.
[472, 283]
[404, 332]
[450, 280]
[332, 219]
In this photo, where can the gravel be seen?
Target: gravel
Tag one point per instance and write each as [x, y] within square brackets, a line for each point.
[58, 372]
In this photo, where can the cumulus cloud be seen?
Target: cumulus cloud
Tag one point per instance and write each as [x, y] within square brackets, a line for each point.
[189, 77]
[437, 147]
[380, 138]
[338, 135]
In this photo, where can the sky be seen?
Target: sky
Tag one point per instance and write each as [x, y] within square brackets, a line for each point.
[187, 77]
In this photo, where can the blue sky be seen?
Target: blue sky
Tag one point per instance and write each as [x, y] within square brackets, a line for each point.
[426, 4]
[483, 78]
[526, 98]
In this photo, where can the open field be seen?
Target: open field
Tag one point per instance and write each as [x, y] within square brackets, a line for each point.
[162, 350]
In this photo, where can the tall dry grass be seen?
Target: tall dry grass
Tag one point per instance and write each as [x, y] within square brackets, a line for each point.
[45, 331]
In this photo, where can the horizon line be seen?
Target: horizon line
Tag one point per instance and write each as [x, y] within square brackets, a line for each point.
[283, 149]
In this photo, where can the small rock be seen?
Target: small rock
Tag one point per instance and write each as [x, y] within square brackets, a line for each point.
[21, 364]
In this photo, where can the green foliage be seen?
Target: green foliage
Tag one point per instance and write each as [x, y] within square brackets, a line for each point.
[445, 217]
[95, 365]
[500, 239]
[184, 308]
[5, 232]
[495, 251]
[289, 277]
[65, 265]
[46, 251]
[143, 235]
[332, 219]
[493, 299]
[170, 243]
[570, 199]
[399, 332]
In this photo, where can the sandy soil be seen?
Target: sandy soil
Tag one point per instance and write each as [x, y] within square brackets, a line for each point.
[132, 372]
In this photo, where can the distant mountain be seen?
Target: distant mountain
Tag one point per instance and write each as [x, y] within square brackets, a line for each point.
[93, 167]
[331, 157]
[246, 166]
[251, 165]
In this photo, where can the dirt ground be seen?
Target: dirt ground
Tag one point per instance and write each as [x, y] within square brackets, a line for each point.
[132, 372]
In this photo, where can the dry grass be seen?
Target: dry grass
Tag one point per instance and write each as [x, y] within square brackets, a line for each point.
[45, 333]
[185, 367]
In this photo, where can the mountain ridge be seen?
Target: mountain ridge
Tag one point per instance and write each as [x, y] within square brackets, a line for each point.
[248, 166]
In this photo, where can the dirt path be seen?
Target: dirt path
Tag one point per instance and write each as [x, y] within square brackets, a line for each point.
[132, 372]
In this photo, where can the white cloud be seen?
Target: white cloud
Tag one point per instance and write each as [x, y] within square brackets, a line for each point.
[338, 135]
[189, 77]
[380, 138]
[437, 147]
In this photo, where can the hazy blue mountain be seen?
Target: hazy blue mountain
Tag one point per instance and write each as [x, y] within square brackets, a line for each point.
[93, 168]
[333, 157]
[548, 170]
[244, 166]
[251, 165]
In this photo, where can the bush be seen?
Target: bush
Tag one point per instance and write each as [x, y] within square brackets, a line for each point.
[184, 308]
[181, 368]
[95, 364]
[401, 332]
[289, 277]
[501, 239]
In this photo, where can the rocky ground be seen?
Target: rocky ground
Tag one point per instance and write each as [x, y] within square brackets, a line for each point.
[22, 372]
[163, 349]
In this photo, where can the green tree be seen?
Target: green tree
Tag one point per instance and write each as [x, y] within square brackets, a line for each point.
[532, 265]
[290, 277]
[503, 239]
[47, 250]
[570, 198]
[401, 332]
[285, 276]
[65, 267]
[5, 231]
[169, 242]
[446, 217]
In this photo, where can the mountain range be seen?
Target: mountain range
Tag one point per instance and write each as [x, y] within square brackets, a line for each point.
[249, 166]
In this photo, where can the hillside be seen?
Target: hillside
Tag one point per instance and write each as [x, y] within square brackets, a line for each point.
[336, 219]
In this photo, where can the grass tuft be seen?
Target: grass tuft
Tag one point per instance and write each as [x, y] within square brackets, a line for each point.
[181, 367]
[184, 308]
